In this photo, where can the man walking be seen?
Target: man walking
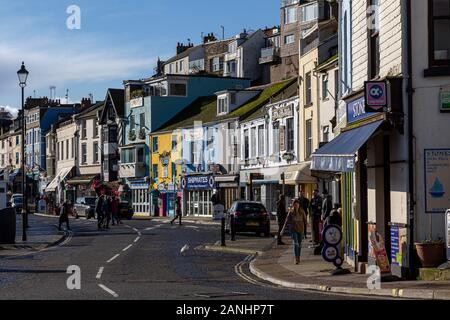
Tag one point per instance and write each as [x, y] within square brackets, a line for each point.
[64, 214]
[304, 204]
[316, 214]
[99, 211]
[178, 211]
[281, 217]
[107, 211]
[115, 210]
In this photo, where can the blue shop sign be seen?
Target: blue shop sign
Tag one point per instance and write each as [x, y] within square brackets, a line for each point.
[197, 182]
[356, 110]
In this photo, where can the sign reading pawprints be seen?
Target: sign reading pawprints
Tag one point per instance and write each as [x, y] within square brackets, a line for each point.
[445, 101]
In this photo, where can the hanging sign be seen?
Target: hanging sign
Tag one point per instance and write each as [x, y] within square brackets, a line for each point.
[376, 93]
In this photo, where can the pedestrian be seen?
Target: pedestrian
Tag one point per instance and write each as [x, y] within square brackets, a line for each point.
[281, 217]
[107, 211]
[296, 221]
[327, 205]
[64, 214]
[335, 217]
[316, 214]
[99, 211]
[178, 211]
[115, 210]
[304, 203]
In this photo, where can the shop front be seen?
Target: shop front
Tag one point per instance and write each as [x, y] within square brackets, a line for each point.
[166, 195]
[298, 177]
[84, 185]
[263, 185]
[140, 196]
[228, 188]
[361, 158]
[197, 194]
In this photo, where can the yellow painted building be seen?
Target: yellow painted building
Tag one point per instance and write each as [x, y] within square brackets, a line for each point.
[165, 171]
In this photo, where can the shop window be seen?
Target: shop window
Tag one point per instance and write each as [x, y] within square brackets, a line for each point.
[140, 155]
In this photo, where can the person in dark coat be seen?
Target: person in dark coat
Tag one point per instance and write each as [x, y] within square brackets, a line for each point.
[99, 205]
[178, 211]
[327, 205]
[335, 217]
[115, 210]
[64, 214]
[281, 217]
[316, 213]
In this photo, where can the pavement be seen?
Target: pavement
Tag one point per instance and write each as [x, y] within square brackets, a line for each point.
[41, 235]
[276, 265]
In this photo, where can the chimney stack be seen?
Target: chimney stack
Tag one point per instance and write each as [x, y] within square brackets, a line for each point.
[182, 47]
[209, 38]
[85, 103]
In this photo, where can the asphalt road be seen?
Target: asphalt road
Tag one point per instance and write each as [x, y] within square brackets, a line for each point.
[140, 260]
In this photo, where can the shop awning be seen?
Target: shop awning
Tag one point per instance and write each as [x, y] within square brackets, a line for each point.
[339, 154]
[232, 178]
[62, 174]
[82, 180]
[298, 174]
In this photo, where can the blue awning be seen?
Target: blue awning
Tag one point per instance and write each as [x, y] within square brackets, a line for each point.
[339, 154]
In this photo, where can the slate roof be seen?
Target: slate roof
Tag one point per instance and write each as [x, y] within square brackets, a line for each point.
[205, 108]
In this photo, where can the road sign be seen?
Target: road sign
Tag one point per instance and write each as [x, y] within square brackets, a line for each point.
[376, 94]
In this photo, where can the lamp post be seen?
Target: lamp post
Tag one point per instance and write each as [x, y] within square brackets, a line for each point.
[23, 75]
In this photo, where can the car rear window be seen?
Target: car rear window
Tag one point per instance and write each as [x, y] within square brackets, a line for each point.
[90, 201]
[250, 208]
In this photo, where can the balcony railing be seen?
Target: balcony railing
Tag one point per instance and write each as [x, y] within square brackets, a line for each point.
[285, 3]
[269, 55]
[132, 170]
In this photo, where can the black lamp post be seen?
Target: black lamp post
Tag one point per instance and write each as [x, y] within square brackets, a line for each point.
[23, 75]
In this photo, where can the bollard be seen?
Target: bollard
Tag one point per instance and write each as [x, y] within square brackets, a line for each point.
[222, 233]
[233, 229]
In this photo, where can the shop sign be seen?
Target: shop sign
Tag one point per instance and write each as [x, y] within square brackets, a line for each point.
[198, 182]
[377, 250]
[356, 110]
[398, 245]
[437, 180]
[445, 101]
[285, 111]
[376, 93]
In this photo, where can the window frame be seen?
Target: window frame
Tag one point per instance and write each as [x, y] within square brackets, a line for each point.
[431, 37]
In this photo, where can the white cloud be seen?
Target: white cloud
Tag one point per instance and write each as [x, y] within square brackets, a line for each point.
[13, 111]
[63, 63]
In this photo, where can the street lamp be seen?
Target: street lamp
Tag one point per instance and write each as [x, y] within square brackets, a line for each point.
[23, 75]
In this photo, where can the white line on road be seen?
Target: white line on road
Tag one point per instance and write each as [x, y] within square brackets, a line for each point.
[151, 228]
[99, 274]
[127, 248]
[115, 295]
[135, 229]
[113, 258]
[137, 239]
[192, 227]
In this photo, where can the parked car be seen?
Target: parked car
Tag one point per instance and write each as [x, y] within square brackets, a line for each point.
[84, 207]
[17, 202]
[125, 210]
[249, 216]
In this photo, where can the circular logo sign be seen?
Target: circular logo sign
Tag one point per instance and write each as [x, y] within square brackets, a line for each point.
[211, 182]
[332, 235]
[183, 183]
[376, 92]
[330, 254]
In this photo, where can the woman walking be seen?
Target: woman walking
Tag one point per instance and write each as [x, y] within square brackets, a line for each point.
[296, 220]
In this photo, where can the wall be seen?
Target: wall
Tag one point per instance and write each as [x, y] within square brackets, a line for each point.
[63, 134]
[327, 105]
[90, 167]
[431, 127]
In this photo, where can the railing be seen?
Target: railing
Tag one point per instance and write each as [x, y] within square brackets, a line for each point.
[285, 3]
[270, 54]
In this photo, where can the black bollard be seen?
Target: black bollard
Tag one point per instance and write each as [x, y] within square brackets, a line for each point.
[233, 229]
[222, 233]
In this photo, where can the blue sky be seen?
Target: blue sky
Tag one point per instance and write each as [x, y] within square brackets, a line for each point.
[118, 39]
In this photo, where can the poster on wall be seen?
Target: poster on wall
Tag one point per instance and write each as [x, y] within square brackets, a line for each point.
[398, 245]
[377, 250]
[437, 180]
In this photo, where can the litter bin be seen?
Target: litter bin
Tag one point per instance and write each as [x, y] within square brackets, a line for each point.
[7, 226]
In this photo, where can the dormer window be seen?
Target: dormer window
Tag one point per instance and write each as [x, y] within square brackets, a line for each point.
[222, 105]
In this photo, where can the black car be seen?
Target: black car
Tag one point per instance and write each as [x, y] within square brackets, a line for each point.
[125, 210]
[249, 216]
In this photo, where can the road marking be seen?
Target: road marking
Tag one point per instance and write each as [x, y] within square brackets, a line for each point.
[99, 274]
[192, 227]
[113, 258]
[115, 295]
[127, 248]
[137, 239]
[184, 249]
[135, 229]
[151, 228]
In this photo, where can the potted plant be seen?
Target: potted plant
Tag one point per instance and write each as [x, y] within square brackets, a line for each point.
[142, 134]
[431, 253]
